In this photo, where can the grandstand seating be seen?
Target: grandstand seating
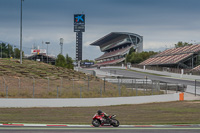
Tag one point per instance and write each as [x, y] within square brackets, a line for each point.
[180, 50]
[109, 62]
[120, 42]
[197, 68]
[172, 56]
[114, 53]
[171, 59]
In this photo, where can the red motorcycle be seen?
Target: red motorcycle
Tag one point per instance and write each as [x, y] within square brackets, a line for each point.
[100, 120]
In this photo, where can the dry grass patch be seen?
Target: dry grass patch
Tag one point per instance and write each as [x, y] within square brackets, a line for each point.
[154, 113]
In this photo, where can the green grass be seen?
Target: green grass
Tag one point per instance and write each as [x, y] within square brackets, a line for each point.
[155, 113]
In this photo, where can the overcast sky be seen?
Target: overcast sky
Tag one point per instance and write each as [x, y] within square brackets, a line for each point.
[162, 23]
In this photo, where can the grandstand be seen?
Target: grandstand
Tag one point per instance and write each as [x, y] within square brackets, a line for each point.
[181, 57]
[115, 47]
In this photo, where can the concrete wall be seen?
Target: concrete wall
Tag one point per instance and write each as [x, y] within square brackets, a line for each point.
[85, 102]
[176, 75]
[191, 89]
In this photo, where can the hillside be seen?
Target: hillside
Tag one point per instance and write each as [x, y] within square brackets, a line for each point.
[12, 67]
[41, 80]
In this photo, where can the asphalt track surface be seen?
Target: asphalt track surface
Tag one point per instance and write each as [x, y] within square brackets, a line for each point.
[15, 129]
[133, 74]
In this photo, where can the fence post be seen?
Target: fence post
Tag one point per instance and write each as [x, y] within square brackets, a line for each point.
[61, 84]
[4, 82]
[73, 83]
[166, 88]
[88, 83]
[152, 86]
[136, 87]
[80, 92]
[132, 86]
[119, 88]
[33, 87]
[146, 84]
[48, 84]
[144, 88]
[101, 91]
[19, 83]
[6, 91]
[57, 92]
[104, 84]
[195, 87]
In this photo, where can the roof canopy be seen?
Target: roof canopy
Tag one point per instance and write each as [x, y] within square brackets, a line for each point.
[110, 37]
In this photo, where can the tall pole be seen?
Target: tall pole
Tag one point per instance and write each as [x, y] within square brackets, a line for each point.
[47, 50]
[47, 54]
[1, 50]
[61, 45]
[21, 34]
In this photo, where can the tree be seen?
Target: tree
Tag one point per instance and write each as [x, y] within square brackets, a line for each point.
[86, 60]
[4, 50]
[60, 61]
[182, 44]
[136, 58]
[69, 62]
[17, 53]
[10, 50]
[128, 56]
[7, 51]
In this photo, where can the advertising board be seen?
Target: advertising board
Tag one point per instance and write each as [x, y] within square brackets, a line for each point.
[41, 51]
[79, 22]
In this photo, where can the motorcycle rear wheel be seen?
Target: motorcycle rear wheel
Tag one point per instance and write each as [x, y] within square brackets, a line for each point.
[115, 123]
[96, 123]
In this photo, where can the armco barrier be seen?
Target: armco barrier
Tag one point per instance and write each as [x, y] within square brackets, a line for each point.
[86, 102]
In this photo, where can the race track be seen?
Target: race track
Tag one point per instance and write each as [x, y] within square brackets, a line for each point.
[13, 129]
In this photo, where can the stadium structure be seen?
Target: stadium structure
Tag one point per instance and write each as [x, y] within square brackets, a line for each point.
[181, 57]
[41, 56]
[115, 47]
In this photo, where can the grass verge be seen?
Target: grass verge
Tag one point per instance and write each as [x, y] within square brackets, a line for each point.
[154, 113]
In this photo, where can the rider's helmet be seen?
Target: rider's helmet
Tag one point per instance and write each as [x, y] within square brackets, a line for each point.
[99, 112]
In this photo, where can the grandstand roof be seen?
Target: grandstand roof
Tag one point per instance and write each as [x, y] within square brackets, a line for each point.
[110, 37]
[180, 50]
[172, 56]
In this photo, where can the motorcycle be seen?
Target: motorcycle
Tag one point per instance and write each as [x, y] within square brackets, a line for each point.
[101, 121]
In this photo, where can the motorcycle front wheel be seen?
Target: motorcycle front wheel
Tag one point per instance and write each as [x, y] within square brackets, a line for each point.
[115, 123]
[96, 123]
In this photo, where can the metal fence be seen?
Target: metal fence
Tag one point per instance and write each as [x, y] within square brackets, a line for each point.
[197, 87]
[60, 87]
[168, 69]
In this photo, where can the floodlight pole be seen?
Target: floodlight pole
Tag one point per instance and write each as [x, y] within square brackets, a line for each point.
[21, 34]
[61, 45]
[47, 50]
[1, 50]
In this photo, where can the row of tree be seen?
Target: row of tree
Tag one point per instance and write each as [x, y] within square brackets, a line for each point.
[182, 44]
[7, 51]
[65, 62]
[135, 58]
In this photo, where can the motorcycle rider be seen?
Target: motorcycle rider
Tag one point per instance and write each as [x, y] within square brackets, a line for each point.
[103, 115]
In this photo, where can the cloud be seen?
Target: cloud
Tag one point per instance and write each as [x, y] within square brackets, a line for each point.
[161, 23]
